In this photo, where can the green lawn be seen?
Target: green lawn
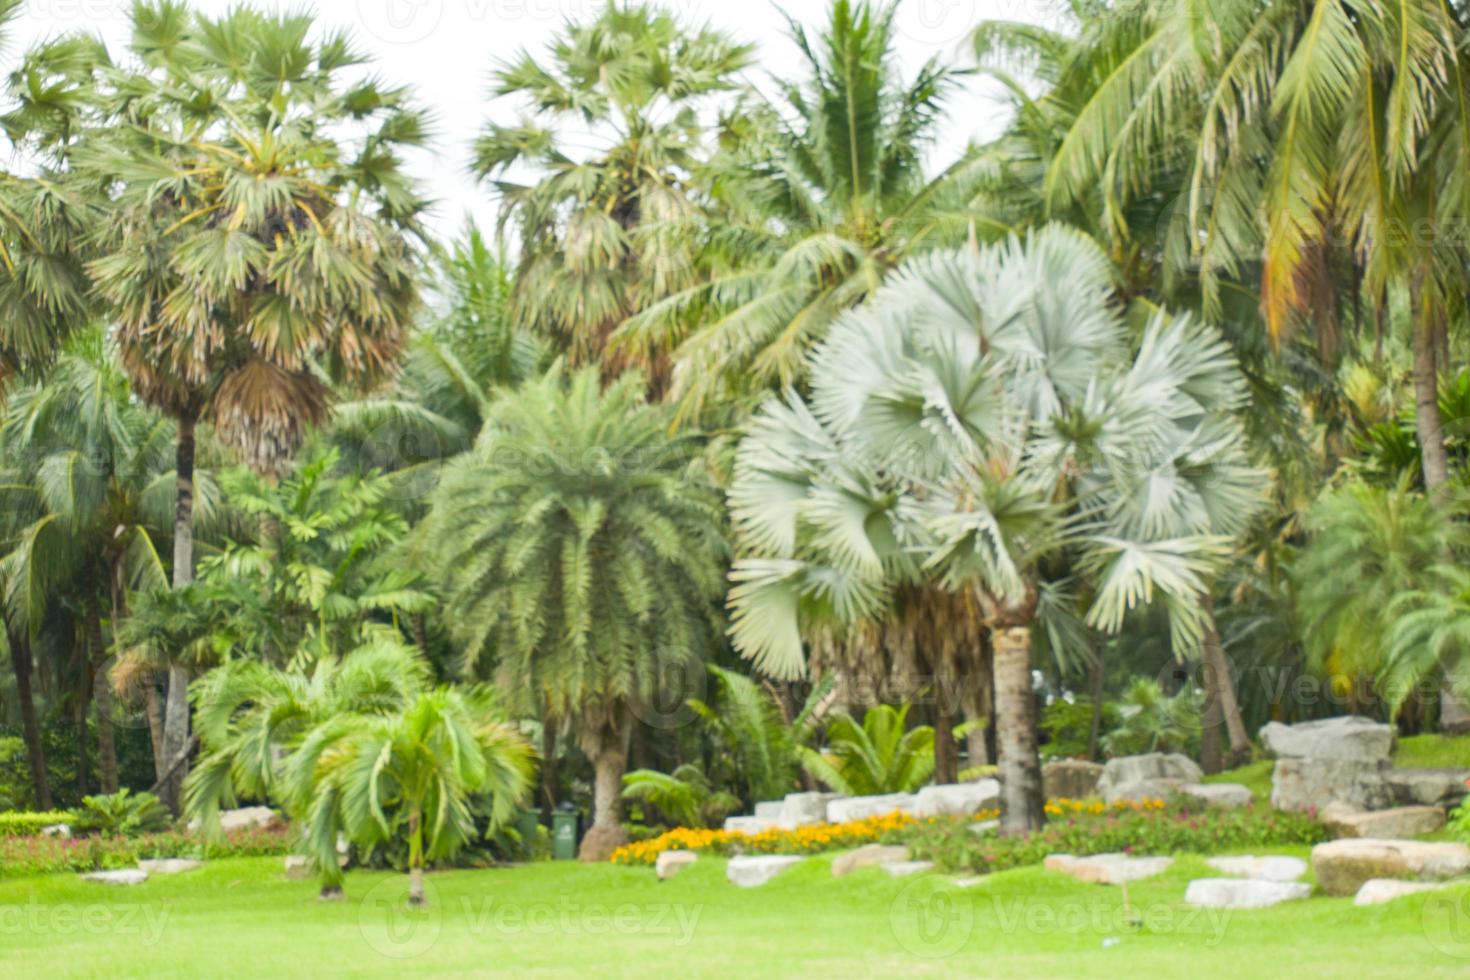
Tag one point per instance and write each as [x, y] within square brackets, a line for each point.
[241, 918]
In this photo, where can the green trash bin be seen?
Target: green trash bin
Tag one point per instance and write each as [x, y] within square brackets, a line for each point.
[564, 833]
[526, 825]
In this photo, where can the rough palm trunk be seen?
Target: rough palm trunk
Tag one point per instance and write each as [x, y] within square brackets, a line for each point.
[548, 771]
[609, 762]
[1015, 718]
[946, 761]
[79, 722]
[153, 707]
[978, 706]
[1095, 689]
[416, 897]
[1426, 400]
[20, 662]
[1220, 690]
[102, 698]
[176, 708]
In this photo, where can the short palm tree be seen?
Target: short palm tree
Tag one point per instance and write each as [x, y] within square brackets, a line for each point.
[980, 423]
[579, 553]
[257, 246]
[409, 776]
[1429, 640]
[881, 755]
[605, 232]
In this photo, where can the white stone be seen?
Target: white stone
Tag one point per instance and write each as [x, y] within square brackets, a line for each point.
[970, 882]
[245, 818]
[1376, 891]
[750, 825]
[902, 869]
[170, 866]
[56, 830]
[670, 863]
[1243, 893]
[866, 857]
[1219, 794]
[129, 876]
[958, 799]
[769, 809]
[298, 868]
[1359, 739]
[1342, 866]
[1400, 822]
[844, 809]
[1151, 775]
[804, 809]
[1107, 869]
[1261, 868]
[985, 827]
[751, 872]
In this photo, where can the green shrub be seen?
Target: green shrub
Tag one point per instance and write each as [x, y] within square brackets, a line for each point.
[26, 824]
[14, 789]
[27, 856]
[1151, 721]
[122, 814]
[1176, 827]
[1068, 727]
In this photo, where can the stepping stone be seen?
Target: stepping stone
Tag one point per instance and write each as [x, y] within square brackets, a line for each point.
[1261, 868]
[670, 863]
[751, 872]
[129, 876]
[1108, 869]
[1243, 893]
[868, 856]
[170, 866]
[1380, 890]
[1343, 866]
[1220, 794]
[1400, 822]
[902, 869]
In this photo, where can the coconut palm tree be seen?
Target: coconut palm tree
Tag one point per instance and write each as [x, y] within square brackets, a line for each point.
[608, 229]
[256, 248]
[984, 424]
[579, 553]
[822, 194]
[409, 776]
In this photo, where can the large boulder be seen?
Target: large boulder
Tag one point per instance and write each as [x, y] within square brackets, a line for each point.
[1153, 775]
[1219, 794]
[1314, 784]
[803, 809]
[751, 872]
[1270, 868]
[1427, 787]
[1243, 893]
[1107, 869]
[1342, 866]
[1381, 890]
[1070, 779]
[1355, 738]
[1399, 822]
[248, 818]
[769, 809]
[846, 808]
[957, 799]
[670, 863]
[867, 856]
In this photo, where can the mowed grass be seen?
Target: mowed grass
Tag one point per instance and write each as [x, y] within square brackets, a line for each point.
[241, 918]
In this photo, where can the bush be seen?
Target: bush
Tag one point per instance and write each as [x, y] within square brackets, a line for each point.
[1067, 726]
[122, 814]
[1149, 827]
[30, 824]
[27, 856]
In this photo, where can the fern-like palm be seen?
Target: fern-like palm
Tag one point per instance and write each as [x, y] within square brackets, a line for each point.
[881, 755]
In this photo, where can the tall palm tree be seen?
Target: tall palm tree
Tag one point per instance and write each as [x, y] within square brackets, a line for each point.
[821, 194]
[580, 557]
[983, 424]
[257, 245]
[409, 776]
[607, 230]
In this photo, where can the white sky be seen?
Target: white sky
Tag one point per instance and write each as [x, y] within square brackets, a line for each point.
[446, 49]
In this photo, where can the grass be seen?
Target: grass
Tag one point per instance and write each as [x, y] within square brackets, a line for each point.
[1433, 752]
[567, 919]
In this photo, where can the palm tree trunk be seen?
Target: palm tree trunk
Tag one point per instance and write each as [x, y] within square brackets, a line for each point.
[416, 896]
[1426, 395]
[1220, 690]
[1095, 689]
[176, 708]
[978, 705]
[1015, 716]
[548, 771]
[153, 707]
[609, 762]
[102, 697]
[946, 761]
[20, 662]
[420, 634]
[79, 722]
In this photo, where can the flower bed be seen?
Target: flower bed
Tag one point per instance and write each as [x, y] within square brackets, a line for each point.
[25, 856]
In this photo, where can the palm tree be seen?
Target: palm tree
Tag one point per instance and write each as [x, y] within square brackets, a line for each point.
[256, 247]
[983, 424]
[821, 196]
[882, 755]
[1428, 640]
[579, 555]
[606, 230]
[409, 776]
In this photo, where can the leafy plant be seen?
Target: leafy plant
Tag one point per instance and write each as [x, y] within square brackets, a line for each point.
[27, 824]
[879, 756]
[686, 796]
[1151, 721]
[1068, 726]
[122, 814]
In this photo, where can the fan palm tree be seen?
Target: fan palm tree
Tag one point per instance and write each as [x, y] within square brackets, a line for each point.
[579, 553]
[409, 776]
[257, 243]
[882, 755]
[979, 424]
[821, 195]
[605, 231]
